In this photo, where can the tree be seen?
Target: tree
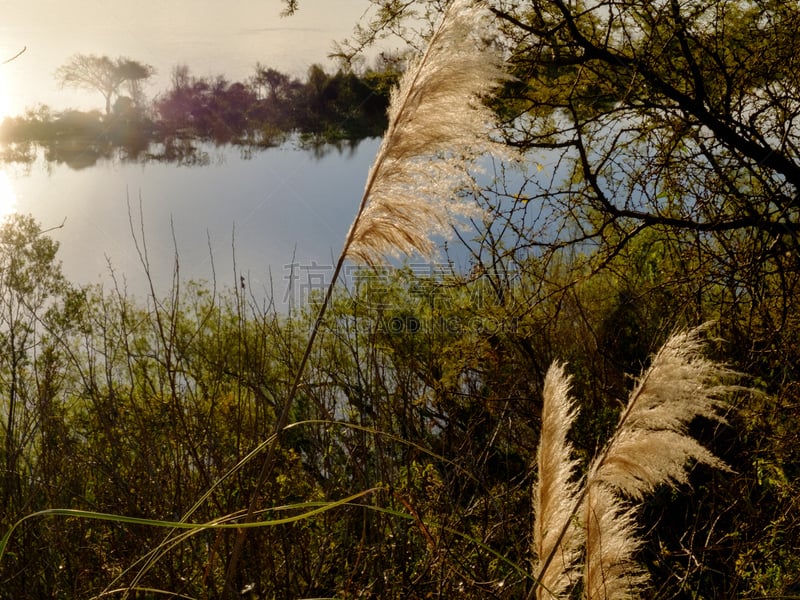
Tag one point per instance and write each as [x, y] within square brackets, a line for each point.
[105, 75]
[699, 100]
[275, 83]
[30, 285]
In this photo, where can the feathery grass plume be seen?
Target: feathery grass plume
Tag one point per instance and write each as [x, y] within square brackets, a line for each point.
[438, 127]
[556, 490]
[610, 571]
[650, 447]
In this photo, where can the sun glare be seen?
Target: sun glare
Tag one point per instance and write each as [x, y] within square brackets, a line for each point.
[5, 96]
[8, 199]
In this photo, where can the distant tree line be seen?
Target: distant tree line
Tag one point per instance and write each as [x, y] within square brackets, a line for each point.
[260, 111]
[339, 105]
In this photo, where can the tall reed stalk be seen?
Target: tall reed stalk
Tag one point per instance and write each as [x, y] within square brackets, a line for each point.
[651, 446]
[438, 127]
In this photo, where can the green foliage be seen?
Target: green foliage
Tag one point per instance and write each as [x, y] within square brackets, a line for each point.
[425, 385]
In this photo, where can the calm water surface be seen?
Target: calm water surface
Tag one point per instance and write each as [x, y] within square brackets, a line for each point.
[260, 211]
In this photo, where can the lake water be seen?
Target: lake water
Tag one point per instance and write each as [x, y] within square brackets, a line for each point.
[271, 208]
[273, 216]
[268, 209]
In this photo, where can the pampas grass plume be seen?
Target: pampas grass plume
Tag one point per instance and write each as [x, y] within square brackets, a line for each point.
[556, 490]
[651, 446]
[610, 571]
[438, 127]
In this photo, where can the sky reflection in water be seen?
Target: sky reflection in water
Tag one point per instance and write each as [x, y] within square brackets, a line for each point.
[278, 203]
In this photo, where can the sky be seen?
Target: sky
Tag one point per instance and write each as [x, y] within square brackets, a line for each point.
[210, 36]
